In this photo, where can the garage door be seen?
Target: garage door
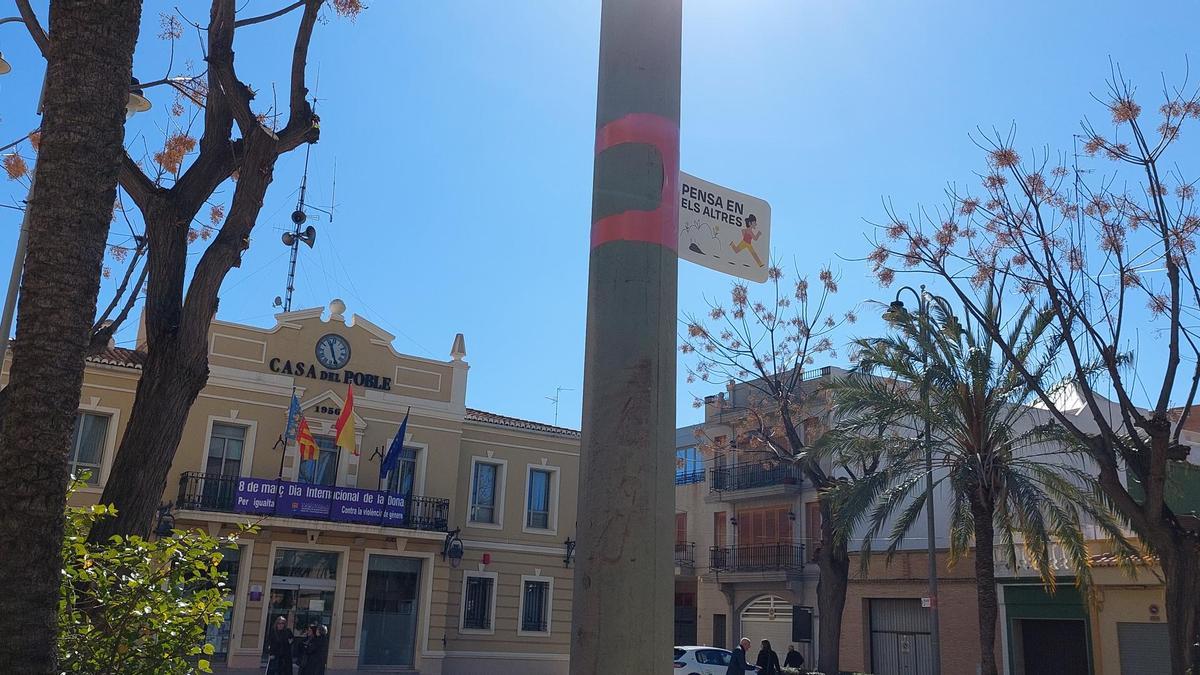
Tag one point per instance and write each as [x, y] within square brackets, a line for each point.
[770, 618]
[1144, 648]
[900, 643]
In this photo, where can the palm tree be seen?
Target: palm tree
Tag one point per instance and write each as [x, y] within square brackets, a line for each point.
[1009, 487]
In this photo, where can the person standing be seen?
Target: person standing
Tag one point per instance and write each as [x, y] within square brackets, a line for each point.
[768, 660]
[737, 661]
[323, 654]
[310, 659]
[794, 659]
[279, 648]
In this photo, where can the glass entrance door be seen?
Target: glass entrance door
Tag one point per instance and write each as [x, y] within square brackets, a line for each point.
[303, 586]
[389, 627]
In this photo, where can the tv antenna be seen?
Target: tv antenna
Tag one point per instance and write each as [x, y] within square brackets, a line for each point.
[555, 398]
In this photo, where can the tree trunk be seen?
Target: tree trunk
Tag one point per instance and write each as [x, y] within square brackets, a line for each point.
[1182, 571]
[171, 381]
[833, 561]
[89, 59]
[985, 585]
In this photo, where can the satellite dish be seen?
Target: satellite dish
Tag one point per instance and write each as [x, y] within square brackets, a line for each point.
[278, 301]
[310, 236]
[289, 239]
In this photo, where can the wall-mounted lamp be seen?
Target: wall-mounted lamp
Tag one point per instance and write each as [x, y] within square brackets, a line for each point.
[792, 516]
[165, 523]
[569, 552]
[733, 520]
[452, 548]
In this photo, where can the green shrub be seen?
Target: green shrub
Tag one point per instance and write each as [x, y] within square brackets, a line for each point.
[135, 606]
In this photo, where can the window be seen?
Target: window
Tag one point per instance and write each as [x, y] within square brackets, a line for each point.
[225, 450]
[323, 469]
[479, 594]
[719, 523]
[537, 514]
[535, 605]
[713, 657]
[689, 468]
[812, 526]
[87, 445]
[681, 528]
[484, 483]
[401, 480]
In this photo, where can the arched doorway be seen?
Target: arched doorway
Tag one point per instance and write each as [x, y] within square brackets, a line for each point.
[769, 617]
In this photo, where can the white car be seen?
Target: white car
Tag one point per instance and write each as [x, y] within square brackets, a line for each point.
[701, 661]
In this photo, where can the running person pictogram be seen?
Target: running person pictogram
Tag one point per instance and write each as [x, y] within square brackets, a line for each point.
[749, 235]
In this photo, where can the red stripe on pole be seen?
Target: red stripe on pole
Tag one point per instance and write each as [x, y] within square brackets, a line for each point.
[660, 226]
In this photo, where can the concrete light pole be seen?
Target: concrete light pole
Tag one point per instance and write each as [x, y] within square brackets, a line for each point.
[624, 581]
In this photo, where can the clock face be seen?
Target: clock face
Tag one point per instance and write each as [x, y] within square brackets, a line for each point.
[333, 351]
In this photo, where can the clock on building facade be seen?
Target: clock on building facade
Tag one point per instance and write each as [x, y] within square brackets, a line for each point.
[333, 351]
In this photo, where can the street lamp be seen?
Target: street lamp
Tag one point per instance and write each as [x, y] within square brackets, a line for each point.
[896, 313]
[4, 67]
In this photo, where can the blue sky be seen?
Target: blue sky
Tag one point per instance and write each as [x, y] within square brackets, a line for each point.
[462, 136]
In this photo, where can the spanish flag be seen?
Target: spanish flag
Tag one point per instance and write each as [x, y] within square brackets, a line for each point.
[304, 437]
[344, 427]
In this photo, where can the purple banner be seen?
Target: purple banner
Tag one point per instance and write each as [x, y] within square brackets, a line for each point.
[321, 502]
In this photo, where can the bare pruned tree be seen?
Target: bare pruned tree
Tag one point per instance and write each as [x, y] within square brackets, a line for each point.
[768, 346]
[202, 189]
[1110, 254]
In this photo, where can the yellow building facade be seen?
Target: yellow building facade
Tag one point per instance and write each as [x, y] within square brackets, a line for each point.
[466, 570]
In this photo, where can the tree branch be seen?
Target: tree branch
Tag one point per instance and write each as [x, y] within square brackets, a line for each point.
[267, 17]
[34, 27]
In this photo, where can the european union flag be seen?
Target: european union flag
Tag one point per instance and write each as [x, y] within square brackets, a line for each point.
[293, 419]
[393, 454]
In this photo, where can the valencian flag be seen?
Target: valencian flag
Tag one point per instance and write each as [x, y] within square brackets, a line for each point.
[293, 418]
[308, 444]
[344, 427]
[393, 454]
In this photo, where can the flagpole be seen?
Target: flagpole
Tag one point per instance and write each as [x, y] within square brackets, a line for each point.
[384, 460]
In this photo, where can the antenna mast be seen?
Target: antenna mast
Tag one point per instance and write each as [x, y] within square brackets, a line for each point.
[555, 398]
[292, 239]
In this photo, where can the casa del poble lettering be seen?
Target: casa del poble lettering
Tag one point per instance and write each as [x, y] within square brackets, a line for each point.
[310, 370]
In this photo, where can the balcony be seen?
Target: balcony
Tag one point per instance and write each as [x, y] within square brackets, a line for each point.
[689, 476]
[258, 496]
[754, 479]
[685, 555]
[778, 557]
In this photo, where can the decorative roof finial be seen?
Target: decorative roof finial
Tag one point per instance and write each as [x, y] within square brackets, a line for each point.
[336, 308]
[459, 350]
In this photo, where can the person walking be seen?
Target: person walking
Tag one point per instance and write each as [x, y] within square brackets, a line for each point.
[279, 648]
[737, 661]
[794, 659]
[768, 660]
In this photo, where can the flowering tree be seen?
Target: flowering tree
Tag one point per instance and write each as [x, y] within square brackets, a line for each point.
[766, 346]
[1110, 256]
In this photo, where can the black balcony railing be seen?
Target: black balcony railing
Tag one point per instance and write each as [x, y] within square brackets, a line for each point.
[685, 554]
[754, 475]
[757, 557]
[214, 492]
[689, 476]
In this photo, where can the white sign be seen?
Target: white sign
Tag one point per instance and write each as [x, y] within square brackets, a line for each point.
[724, 230]
[925, 602]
